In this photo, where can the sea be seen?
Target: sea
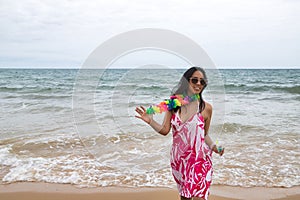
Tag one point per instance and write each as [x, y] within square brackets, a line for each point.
[74, 126]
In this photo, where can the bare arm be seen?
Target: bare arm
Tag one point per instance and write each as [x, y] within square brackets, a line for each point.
[163, 129]
[207, 114]
[207, 118]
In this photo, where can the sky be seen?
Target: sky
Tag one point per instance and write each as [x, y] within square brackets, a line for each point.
[234, 33]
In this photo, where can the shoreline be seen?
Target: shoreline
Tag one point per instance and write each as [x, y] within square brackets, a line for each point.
[45, 191]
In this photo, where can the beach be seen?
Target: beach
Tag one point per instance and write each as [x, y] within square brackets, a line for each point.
[74, 74]
[65, 136]
[47, 191]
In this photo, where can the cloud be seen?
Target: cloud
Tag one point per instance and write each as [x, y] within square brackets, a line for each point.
[234, 33]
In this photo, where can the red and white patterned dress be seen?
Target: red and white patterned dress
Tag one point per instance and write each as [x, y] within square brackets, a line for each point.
[190, 157]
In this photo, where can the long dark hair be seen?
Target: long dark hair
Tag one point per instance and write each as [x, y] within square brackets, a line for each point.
[183, 85]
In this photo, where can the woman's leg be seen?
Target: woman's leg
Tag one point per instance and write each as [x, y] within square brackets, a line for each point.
[195, 198]
[198, 198]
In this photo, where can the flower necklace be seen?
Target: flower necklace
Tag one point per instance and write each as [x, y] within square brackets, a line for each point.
[172, 103]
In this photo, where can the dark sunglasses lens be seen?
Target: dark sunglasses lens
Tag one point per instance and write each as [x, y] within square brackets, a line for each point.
[194, 80]
[202, 82]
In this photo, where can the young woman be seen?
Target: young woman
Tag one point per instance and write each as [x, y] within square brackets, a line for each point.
[192, 147]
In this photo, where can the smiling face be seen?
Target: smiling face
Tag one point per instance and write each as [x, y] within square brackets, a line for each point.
[196, 83]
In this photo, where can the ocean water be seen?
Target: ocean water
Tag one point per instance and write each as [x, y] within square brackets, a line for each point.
[78, 126]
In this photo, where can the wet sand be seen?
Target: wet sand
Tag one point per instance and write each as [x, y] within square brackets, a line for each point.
[47, 191]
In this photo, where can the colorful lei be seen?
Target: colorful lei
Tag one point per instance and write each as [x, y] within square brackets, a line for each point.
[172, 103]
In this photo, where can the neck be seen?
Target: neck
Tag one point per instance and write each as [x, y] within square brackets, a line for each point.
[191, 94]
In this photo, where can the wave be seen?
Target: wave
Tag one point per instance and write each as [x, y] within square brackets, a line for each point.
[142, 87]
[65, 159]
[136, 89]
[126, 160]
[262, 88]
[36, 89]
[11, 89]
[235, 128]
[292, 89]
[39, 96]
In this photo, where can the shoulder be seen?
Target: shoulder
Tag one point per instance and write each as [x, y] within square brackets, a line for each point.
[207, 112]
[208, 107]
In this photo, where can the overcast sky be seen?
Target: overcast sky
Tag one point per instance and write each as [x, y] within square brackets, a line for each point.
[234, 33]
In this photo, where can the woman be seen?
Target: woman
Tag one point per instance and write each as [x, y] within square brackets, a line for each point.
[192, 147]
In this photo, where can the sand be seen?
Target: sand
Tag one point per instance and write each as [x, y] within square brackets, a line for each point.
[47, 191]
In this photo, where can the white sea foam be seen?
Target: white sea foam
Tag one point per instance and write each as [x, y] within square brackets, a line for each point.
[135, 167]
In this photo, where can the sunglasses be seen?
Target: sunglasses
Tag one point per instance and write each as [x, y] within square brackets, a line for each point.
[195, 81]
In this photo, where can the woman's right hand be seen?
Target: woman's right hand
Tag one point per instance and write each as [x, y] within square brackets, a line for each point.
[143, 114]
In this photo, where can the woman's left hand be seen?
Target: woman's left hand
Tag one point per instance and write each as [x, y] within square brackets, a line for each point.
[219, 150]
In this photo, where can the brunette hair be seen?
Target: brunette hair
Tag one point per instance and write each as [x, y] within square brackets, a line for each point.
[183, 85]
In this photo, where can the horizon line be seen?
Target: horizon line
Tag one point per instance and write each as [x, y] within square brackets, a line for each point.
[77, 68]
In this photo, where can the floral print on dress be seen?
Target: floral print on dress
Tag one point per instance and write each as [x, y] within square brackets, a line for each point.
[191, 157]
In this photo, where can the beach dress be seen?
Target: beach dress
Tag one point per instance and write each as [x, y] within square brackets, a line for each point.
[190, 157]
